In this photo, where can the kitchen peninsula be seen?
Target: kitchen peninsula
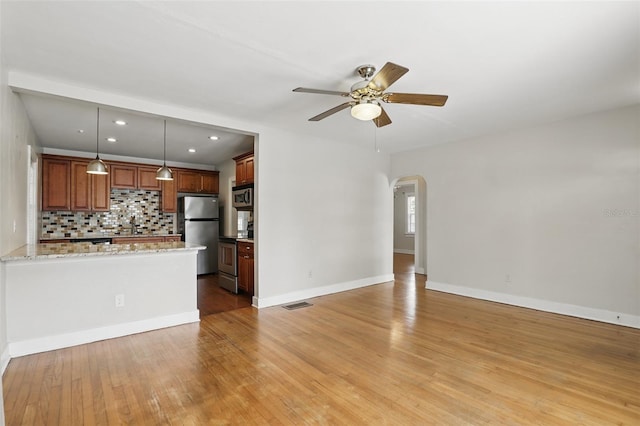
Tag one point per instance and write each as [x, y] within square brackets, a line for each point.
[65, 294]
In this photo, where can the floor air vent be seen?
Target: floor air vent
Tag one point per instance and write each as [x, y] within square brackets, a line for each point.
[297, 305]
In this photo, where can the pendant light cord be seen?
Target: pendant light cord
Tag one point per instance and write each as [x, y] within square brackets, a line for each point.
[164, 155]
[98, 134]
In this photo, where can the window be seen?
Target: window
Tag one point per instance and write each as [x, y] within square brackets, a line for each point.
[411, 214]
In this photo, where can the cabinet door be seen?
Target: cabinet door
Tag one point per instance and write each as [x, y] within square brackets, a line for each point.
[243, 272]
[147, 178]
[210, 184]
[188, 181]
[241, 172]
[123, 176]
[80, 186]
[249, 169]
[100, 193]
[169, 196]
[56, 184]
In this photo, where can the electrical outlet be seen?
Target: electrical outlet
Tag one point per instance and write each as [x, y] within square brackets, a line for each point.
[310, 274]
[119, 300]
[507, 278]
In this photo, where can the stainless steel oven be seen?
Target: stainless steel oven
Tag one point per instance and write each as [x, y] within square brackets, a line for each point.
[227, 264]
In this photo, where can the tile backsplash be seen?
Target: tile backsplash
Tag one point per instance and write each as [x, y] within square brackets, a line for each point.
[125, 203]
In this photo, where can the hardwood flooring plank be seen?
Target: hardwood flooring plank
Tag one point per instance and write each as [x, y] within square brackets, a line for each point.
[393, 353]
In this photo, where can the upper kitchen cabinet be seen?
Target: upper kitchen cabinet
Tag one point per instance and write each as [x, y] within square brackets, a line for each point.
[56, 184]
[147, 178]
[244, 168]
[123, 176]
[169, 196]
[197, 181]
[88, 192]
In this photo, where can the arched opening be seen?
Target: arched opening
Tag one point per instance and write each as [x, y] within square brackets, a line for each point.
[410, 221]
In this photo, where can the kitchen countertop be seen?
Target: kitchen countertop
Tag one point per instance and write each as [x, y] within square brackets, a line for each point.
[60, 250]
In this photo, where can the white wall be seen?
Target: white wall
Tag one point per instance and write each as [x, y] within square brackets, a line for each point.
[230, 215]
[324, 213]
[402, 242]
[548, 214]
[15, 135]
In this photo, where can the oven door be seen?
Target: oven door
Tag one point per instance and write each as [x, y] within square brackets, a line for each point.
[227, 258]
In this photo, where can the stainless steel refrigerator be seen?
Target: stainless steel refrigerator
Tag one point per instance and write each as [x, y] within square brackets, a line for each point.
[199, 224]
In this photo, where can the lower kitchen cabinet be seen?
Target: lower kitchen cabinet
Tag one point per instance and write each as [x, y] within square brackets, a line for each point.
[245, 267]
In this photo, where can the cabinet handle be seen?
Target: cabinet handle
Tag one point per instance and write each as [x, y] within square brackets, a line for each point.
[246, 257]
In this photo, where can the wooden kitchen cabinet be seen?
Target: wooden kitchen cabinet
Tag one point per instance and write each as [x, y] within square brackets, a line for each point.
[245, 267]
[134, 240]
[244, 168]
[172, 238]
[147, 178]
[169, 196]
[56, 184]
[123, 176]
[88, 192]
[197, 181]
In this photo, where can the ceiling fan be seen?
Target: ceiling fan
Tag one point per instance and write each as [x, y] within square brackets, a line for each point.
[366, 95]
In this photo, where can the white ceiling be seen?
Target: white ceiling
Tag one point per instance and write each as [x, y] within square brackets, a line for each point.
[504, 65]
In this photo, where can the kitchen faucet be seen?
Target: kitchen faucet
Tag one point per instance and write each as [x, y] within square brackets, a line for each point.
[132, 222]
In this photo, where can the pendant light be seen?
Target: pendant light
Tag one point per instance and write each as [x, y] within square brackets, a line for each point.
[164, 173]
[97, 166]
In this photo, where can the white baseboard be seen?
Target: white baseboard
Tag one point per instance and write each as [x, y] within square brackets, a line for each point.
[319, 291]
[4, 360]
[403, 251]
[595, 314]
[49, 343]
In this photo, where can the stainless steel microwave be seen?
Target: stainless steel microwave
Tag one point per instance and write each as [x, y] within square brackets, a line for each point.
[243, 197]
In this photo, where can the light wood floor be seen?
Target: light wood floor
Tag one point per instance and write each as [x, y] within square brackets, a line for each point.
[393, 353]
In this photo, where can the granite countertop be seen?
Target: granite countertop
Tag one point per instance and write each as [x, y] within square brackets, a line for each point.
[245, 240]
[60, 250]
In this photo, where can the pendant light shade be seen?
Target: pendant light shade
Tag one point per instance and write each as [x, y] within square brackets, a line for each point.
[97, 166]
[164, 172]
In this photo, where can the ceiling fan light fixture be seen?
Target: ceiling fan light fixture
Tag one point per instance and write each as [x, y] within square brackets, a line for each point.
[97, 166]
[366, 110]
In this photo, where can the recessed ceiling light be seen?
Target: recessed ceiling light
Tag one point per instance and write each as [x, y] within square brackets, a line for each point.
[214, 138]
[192, 150]
[120, 122]
[111, 139]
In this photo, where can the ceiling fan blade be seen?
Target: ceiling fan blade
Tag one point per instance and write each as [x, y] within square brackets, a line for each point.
[415, 99]
[331, 111]
[388, 75]
[382, 120]
[319, 91]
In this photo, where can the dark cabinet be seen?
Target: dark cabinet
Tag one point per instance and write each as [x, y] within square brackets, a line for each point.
[244, 168]
[56, 184]
[88, 192]
[197, 181]
[245, 267]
